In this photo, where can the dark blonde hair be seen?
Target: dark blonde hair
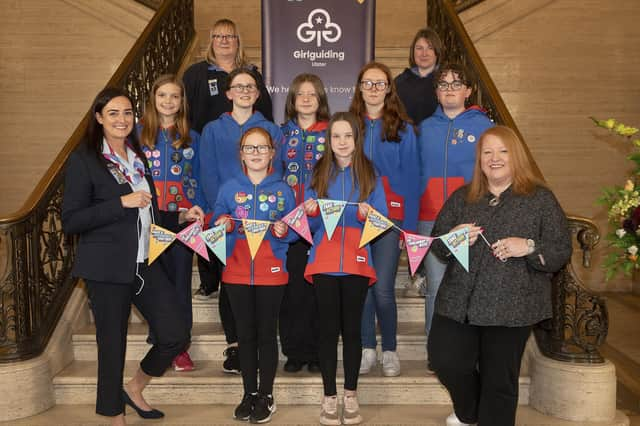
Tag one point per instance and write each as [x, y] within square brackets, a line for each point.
[179, 133]
[323, 104]
[326, 169]
[265, 134]
[432, 37]
[525, 176]
[241, 57]
[394, 116]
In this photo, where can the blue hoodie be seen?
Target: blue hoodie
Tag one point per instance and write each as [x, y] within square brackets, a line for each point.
[175, 172]
[447, 154]
[220, 151]
[301, 151]
[341, 255]
[398, 165]
[269, 200]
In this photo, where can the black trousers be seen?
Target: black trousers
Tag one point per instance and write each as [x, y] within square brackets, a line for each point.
[111, 306]
[480, 367]
[256, 309]
[210, 275]
[340, 303]
[299, 311]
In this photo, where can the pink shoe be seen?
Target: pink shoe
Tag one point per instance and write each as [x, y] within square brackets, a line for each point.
[183, 362]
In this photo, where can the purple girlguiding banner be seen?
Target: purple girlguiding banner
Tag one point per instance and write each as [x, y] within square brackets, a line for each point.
[330, 38]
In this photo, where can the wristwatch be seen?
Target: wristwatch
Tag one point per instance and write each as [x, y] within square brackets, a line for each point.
[531, 245]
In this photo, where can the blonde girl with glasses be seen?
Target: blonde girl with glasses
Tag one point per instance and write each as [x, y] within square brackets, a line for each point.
[390, 143]
[219, 162]
[255, 286]
[205, 81]
[307, 113]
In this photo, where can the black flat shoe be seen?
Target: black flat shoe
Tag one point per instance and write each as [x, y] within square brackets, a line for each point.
[151, 414]
[313, 367]
[293, 365]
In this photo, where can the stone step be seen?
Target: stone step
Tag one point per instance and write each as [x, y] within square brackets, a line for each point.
[208, 342]
[410, 309]
[209, 385]
[301, 415]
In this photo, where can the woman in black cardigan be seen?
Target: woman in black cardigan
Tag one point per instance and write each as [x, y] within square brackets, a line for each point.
[518, 237]
[109, 203]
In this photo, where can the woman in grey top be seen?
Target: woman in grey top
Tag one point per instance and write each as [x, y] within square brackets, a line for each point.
[518, 237]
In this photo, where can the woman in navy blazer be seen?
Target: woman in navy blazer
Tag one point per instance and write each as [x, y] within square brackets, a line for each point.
[109, 203]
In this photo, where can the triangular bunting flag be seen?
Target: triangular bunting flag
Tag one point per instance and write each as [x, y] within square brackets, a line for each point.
[375, 225]
[458, 243]
[331, 210]
[190, 236]
[417, 248]
[216, 239]
[254, 230]
[159, 240]
[297, 220]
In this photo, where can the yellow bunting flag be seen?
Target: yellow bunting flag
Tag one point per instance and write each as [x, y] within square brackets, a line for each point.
[159, 240]
[254, 231]
[375, 225]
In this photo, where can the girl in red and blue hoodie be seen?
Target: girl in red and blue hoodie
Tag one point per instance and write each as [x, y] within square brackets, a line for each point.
[307, 112]
[219, 162]
[255, 286]
[172, 153]
[390, 143]
[447, 145]
[341, 271]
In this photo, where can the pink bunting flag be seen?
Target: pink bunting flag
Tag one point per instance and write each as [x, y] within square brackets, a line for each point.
[417, 248]
[190, 236]
[297, 220]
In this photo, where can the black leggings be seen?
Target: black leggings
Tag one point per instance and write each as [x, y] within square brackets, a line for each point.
[256, 308]
[340, 302]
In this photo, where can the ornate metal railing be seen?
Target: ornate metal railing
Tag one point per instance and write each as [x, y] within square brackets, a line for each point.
[462, 5]
[580, 320]
[35, 274]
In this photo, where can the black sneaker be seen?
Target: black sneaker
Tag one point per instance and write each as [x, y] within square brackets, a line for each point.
[313, 367]
[244, 410]
[232, 363]
[202, 294]
[263, 407]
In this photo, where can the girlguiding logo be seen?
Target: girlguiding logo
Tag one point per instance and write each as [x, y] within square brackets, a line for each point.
[319, 27]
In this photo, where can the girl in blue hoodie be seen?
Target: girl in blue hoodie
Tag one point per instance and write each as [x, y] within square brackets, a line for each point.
[171, 149]
[255, 285]
[340, 270]
[219, 162]
[307, 112]
[390, 143]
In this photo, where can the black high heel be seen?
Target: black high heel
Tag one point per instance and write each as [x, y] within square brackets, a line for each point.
[151, 414]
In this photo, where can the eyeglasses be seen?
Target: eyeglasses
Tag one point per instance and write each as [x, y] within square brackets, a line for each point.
[239, 88]
[225, 37]
[260, 149]
[368, 85]
[454, 85]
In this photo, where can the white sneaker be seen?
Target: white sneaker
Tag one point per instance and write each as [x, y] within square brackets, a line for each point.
[416, 287]
[329, 414]
[368, 360]
[351, 411]
[390, 364]
[453, 420]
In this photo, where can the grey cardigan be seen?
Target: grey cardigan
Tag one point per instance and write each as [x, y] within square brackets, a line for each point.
[493, 293]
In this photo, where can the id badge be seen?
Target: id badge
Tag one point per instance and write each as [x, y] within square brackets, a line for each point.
[117, 174]
[213, 87]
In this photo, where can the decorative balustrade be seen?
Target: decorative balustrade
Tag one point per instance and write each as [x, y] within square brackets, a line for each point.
[35, 276]
[580, 318]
